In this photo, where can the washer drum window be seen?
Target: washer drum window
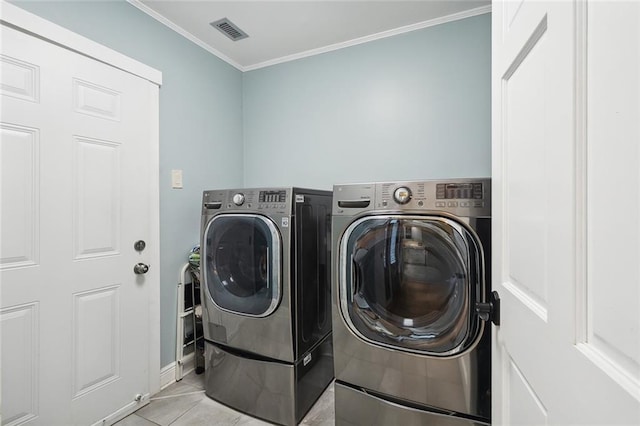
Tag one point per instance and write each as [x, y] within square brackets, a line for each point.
[411, 283]
[242, 264]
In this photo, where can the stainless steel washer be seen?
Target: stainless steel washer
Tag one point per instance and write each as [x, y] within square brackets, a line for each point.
[266, 294]
[411, 300]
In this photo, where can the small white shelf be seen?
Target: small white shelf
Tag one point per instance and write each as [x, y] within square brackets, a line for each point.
[189, 336]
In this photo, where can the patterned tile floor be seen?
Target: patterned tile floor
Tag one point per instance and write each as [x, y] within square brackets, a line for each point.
[184, 404]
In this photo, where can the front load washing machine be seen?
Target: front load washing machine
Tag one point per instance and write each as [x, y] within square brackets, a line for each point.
[411, 302]
[265, 265]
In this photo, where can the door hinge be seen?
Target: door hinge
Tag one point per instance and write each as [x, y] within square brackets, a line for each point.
[490, 311]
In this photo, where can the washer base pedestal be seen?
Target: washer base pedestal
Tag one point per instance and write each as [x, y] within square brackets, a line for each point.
[356, 407]
[275, 391]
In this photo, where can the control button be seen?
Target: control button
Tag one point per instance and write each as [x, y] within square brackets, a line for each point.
[229, 205]
[238, 199]
[465, 204]
[420, 203]
[249, 205]
[402, 195]
[384, 203]
[441, 204]
[478, 204]
[282, 206]
[452, 204]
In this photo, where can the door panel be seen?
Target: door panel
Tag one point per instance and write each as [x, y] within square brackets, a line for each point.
[530, 90]
[611, 294]
[96, 184]
[526, 214]
[96, 339]
[564, 147]
[21, 189]
[76, 173]
[20, 326]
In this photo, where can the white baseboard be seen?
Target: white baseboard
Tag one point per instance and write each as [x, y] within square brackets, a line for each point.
[173, 372]
[167, 375]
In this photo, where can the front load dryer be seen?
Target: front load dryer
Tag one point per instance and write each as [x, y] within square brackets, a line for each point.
[411, 300]
[265, 265]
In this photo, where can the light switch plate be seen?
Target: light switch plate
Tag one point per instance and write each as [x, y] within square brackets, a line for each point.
[176, 179]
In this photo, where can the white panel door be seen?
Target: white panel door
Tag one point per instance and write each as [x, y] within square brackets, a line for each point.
[566, 245]
[76, 173]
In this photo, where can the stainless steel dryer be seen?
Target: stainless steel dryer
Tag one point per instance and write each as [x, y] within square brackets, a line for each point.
[265, 267]
[411, 301]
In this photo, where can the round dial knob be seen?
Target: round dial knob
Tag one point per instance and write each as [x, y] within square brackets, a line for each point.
[238, 199]
[402, 195]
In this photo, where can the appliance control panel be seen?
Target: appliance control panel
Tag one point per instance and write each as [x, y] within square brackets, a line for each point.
[271, 200]
[395, 195]
[267, 200]
[456, 191]
[461, 197]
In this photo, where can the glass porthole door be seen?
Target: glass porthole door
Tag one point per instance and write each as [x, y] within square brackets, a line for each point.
[242, 264]
[411, 283]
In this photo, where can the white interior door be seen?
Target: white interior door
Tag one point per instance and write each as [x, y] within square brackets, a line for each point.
[566, 161]
[76, 169]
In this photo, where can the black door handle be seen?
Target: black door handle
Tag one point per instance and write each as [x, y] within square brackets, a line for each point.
[490, 311]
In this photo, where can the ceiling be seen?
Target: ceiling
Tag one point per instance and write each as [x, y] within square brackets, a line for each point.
[281, 31]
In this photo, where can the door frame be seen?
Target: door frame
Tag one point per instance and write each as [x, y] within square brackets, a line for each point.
[27, 22]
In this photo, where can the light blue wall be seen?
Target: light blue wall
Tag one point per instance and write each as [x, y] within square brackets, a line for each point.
[407, 107]
[412, 106]
[200, 124]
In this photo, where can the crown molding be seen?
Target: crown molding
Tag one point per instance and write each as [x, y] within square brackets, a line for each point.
[186, 34]
[378, 36]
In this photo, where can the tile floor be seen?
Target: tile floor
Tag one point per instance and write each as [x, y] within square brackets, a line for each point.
[184, 404]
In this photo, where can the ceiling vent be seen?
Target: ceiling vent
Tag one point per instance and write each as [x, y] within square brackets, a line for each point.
[229, 29]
